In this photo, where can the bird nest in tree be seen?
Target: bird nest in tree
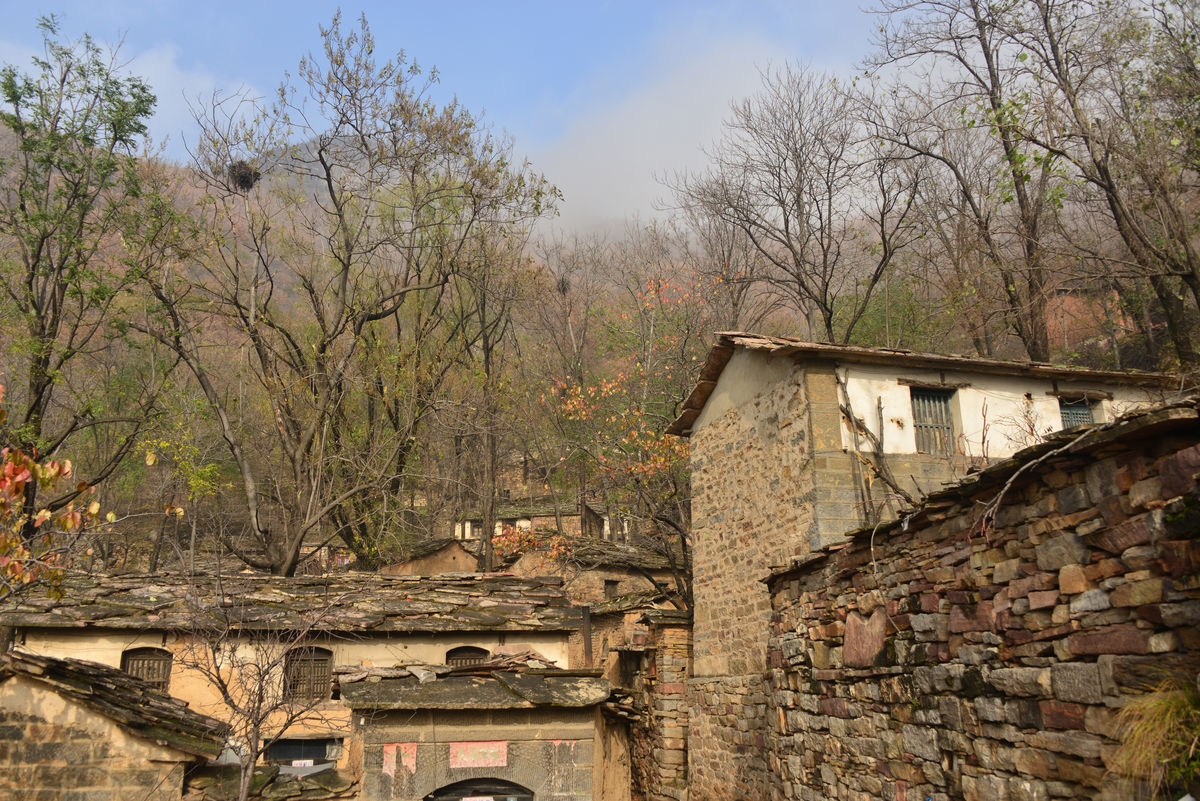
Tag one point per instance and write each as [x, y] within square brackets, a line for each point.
[243, 176]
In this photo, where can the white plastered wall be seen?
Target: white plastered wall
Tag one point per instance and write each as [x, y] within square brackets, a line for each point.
[747, 375]
[994, 416]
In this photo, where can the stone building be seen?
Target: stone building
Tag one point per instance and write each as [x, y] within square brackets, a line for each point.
[793, 444]
[436, 556]
[484, 733]
[72, 729]
[303, 634]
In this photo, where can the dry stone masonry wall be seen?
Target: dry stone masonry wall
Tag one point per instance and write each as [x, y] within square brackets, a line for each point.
[658, 745]
[752, 481]
[959, 657]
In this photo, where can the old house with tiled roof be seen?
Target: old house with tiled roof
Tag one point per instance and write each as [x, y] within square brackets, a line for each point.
[80, 730]
[312, 631]
[795, 443]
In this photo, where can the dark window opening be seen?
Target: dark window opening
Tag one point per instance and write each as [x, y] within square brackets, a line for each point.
[1076, 412]
[466, 655]
[152, 665]
[314, 752]
[612, 588]
[931, 420]
[481, 788]
[307, 675]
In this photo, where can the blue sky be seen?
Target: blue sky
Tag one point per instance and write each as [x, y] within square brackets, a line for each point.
[604, 97]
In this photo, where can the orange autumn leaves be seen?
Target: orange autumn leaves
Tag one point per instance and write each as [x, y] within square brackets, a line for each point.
[25, 558]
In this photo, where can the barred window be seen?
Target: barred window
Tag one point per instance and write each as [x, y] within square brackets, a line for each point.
[307, 675]
[152, 665]
[466, 655]
[1075, 412]
[931, 420]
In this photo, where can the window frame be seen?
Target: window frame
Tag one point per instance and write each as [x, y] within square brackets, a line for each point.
[931, 435]
[1076, 403]
[307, 675]
[149, 656]
[467, 655]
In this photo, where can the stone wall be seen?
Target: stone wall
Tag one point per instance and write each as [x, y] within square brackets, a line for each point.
[960, 657]
[657, 661]
[752, 485]
[53, 749]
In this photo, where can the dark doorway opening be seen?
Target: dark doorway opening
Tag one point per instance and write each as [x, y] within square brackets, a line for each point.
[481, 790]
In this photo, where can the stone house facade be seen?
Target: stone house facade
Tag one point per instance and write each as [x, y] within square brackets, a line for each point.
[71, 729]
[488, 733]
[793, 444]
[305, 633]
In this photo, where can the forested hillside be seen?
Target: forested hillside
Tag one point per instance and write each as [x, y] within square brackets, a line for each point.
[344, 324]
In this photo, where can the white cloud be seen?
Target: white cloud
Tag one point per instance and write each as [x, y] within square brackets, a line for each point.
[609, 159]
[175, 86]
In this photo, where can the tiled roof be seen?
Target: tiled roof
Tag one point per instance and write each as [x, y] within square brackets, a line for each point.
[494, 690]
[352, 602]
[729, 341]
[129, 702]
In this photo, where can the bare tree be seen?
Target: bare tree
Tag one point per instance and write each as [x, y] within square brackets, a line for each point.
[969, 113]
[824, 205]
[257, 672]
[1119, 118]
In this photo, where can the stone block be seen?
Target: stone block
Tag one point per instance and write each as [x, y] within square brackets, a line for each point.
[1006, 571]
[1090, 601]
[1116, 539]
[1021, 788]
[1144, 492]
[920, 741]
[968, 617]
[1139, 557]
[1120, 639]
[1062, 714]
[1076, 681]
[1022, 681]
[864, 638]
[1181, 614]
[1060, 551]
[1073, 499]
[1178, 471]
[1042, 599]
[1075, 743]
[1072, 580]
[1137, 593]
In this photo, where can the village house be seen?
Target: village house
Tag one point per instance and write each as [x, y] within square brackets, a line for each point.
[794, 444]
[304, 634]
[72, 729]
[572, 518]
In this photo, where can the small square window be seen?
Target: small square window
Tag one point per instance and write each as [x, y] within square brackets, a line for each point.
[152, 665]
[931, 420]
[307, 675]
[1075, 412]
